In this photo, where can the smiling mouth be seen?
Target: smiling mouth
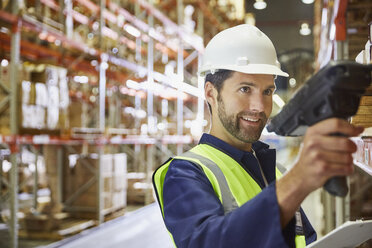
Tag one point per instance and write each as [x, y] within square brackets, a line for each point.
[251, 119]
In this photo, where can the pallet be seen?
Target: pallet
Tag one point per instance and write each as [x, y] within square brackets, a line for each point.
[115, 213]
[108, 213]
[67, 228]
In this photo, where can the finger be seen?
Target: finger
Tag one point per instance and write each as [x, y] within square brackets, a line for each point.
[337, 169]
[326, 170]
[332, 143]
[332, 157]
[335, 125]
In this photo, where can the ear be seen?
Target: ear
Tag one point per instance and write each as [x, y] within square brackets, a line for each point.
[210, 93]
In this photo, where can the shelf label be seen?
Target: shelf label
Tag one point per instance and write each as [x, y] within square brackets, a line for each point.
[40, 139]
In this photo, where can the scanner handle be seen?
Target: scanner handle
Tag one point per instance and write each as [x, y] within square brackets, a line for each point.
[337, 185]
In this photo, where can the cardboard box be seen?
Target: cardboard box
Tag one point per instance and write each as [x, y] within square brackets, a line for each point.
[90, 200]
[120, 164]
[64, 98]
[120, 182]
[366, 101]
[33, 116]
[42, 96]
[52, 75]
[52, 117]
[43, 222]
[75, 112]
[107, 165]
[119, 199]
[81, 170]
[53, 93]
[5, 123]
[26, 91]
[136, 191]
[364, 115]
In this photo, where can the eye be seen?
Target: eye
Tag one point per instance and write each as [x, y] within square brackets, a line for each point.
[268, 92]
[245, 89]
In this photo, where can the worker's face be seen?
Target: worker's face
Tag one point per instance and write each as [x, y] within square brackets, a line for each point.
[244, 104]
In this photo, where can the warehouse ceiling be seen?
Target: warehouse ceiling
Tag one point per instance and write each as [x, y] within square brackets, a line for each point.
[281, 21]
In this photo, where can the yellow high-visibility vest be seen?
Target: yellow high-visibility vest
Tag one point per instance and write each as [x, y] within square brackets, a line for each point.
[231, 183]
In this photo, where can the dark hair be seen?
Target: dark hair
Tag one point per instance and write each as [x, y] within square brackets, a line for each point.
[217, 79]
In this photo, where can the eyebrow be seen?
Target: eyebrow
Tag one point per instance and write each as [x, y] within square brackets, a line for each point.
[255, 85]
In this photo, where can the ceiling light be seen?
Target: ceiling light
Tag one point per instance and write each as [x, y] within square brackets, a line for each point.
[259, 4]
[307, 1]
[94, 62]
[81, 79]
[4, 63]
[104, 65]
[292, 82]
[305, 29]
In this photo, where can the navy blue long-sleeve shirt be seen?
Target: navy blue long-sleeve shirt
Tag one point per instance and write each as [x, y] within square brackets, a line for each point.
[195, 216]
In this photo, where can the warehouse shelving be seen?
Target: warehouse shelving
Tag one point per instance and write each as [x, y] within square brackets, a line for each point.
[363, 155]
[364, 167]
[337, 23]
[56, 42]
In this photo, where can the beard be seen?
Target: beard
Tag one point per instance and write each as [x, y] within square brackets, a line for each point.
[232, 123]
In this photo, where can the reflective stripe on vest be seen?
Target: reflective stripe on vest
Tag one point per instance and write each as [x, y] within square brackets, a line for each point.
[226, 176]
[227, 199]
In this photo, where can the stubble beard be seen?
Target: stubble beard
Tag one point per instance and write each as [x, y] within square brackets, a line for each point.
[232, 124]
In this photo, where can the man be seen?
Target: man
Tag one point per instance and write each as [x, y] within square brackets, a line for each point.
[227, 191]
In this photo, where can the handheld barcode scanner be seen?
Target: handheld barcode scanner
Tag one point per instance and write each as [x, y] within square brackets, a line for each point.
[334, 91]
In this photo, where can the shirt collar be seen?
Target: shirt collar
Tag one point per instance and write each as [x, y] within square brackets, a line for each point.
[229, 149]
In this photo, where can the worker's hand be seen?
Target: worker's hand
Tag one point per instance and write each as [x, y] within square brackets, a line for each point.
[324, 155]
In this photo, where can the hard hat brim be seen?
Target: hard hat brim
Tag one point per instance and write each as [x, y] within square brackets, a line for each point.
[249, 69]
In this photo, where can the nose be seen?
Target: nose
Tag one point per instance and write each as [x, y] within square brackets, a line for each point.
[257, 103]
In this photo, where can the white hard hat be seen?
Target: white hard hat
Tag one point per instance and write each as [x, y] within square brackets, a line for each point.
[242, 48]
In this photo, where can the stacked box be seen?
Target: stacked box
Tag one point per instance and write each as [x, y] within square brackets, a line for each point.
[43, 95]
[364, 115]
[120, 181]
[80, 174]
[137, 187]
[114, 176]
[75, 114]
[119, 199]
